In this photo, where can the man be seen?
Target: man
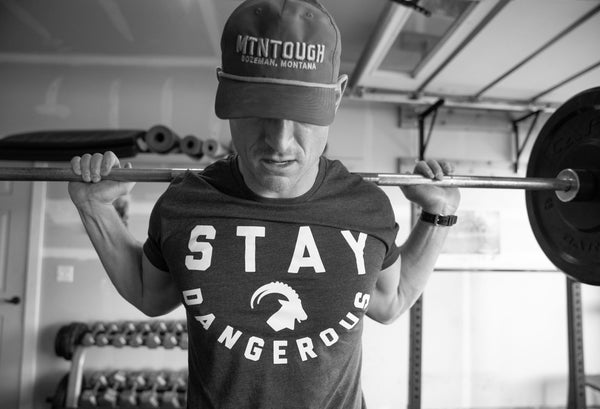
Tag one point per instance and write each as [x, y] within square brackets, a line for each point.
[276, 253]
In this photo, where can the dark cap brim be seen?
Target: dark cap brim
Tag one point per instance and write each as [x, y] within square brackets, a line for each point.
[239, 99]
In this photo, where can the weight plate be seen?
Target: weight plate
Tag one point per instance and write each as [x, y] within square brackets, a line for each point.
[568, 233]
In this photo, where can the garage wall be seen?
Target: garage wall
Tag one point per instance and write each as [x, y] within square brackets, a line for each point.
[490, 339]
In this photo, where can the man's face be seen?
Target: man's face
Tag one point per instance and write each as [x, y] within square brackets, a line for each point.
[278, 158]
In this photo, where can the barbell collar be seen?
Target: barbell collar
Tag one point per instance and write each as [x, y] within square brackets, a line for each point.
[564, 184]
[586, 182]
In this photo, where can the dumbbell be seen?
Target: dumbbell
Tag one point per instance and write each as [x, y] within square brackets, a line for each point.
[105, 338]
[136, 338]
[170, 339]
[89, 338]
[172, 398]
[183, 337]
[109, 397]
[129, 397]
[123, 337]
[149, 398]
[89, 396]
[160, 327]
[151, 335]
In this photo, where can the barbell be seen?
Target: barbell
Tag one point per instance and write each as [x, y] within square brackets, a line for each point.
[562, 185]
[567, 181]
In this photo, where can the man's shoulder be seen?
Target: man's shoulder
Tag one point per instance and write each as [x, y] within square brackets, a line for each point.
[346, 182]
[215, 174]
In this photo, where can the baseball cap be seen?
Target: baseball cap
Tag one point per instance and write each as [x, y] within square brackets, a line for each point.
[280, 59]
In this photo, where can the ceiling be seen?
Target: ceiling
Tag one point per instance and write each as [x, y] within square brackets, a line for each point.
[498, 54]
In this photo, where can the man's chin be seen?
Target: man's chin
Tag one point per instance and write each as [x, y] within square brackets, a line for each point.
[276, 185]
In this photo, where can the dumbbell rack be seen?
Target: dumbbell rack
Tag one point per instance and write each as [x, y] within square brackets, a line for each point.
[76, 374]
[75, 377]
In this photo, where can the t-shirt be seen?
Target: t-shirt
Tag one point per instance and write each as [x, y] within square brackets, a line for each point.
[275, 290]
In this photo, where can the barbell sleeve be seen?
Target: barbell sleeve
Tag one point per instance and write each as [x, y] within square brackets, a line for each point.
[51, 174]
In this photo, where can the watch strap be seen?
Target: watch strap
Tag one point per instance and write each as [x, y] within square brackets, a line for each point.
[438, 219]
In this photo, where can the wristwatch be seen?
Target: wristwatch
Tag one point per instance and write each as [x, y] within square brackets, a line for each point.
[438, 219]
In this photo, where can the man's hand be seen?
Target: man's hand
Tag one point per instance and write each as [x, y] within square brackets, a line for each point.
[92, 168]
[433, 199]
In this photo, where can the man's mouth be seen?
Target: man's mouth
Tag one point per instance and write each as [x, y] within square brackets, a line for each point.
[278, 162]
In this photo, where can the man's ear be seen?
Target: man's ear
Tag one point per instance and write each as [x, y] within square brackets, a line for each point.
[342, 82]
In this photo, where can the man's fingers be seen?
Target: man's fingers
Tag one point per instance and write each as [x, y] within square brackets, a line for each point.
[85, 167]
[95, 167]
[92, 168]
[76, 165]
[436, 169]
[109, 161]
[447, 167]
[421, 168]
[430, 169]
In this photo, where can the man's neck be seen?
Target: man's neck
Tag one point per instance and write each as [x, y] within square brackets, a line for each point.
[277, 186]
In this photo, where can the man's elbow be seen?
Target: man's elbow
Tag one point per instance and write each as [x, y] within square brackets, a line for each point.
[152, 312]
[154, 309]
[386, 316]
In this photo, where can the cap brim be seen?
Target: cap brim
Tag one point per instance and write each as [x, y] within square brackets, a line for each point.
[238, 99]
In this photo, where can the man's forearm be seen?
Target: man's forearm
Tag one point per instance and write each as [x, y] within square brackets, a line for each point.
[419, 256]
[119, 252]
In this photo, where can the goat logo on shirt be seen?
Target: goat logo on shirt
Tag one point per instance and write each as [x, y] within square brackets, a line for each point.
[291, 307]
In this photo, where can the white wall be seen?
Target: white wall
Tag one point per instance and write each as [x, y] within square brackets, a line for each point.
[490, 339]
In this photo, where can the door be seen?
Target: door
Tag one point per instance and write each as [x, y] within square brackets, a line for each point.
[15, 202]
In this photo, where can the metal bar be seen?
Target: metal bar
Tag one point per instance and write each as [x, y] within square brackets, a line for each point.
[565, 81]
[529, 133]
[532, 125]
[494, 270]
[519, 147]
[439, 103]
[383, 179]
[422, 144]
[576, 393]
[553, 40]
[51, 174]
[75, 378]
[483, 182]
[424, 141]
[415, 355]
[489, 17]
[432, 108]
[451, 101]
[515, 128]
[526, 116]
[444, 40]
[415, 342]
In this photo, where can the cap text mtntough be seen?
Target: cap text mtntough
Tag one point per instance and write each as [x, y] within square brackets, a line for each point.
[292, 54]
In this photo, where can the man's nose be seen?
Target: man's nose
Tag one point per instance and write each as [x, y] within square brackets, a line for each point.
[279, 134]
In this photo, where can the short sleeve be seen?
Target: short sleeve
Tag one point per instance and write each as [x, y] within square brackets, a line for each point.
[152, 247]
[393, 251]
